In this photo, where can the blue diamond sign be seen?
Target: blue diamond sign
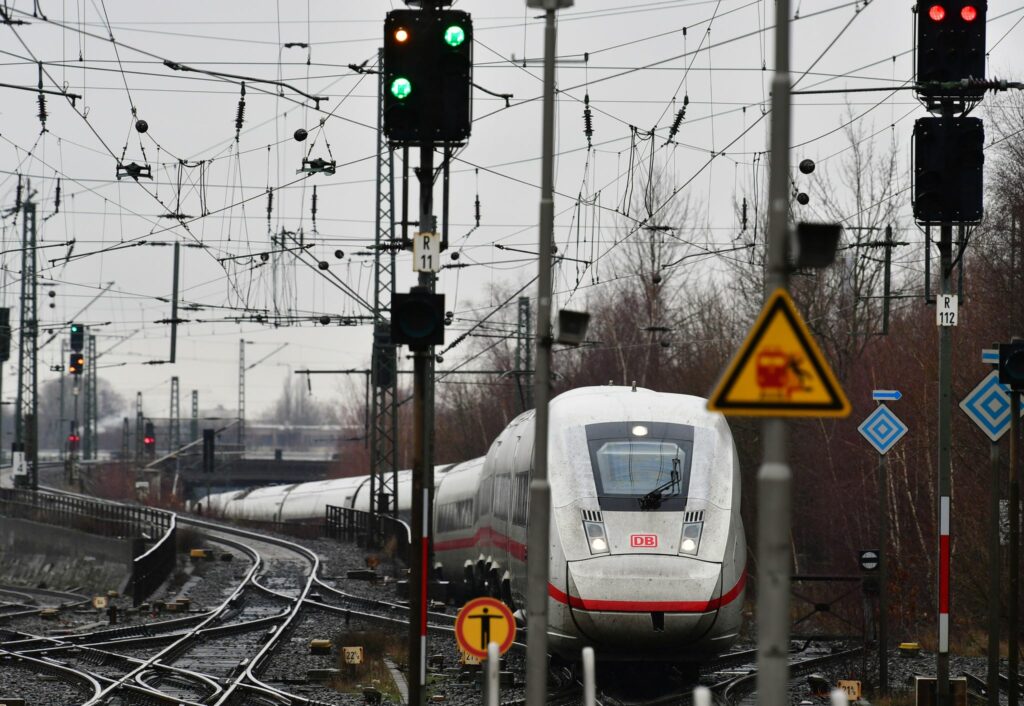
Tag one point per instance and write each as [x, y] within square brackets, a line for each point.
[988, 406]
[882, 429]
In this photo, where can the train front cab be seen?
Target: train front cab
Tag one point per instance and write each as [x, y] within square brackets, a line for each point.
[666, 580]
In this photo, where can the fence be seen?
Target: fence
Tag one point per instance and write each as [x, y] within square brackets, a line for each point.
[140, 524]
[345, 523]
[150, 568]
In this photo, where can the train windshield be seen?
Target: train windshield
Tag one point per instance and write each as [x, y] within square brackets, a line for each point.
[637, 467]
[633, 460]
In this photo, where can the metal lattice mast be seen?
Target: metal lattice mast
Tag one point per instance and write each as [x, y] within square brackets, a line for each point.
[384, 410]
[62, 422]
[139, 423]
[126, 444]
[26, 421]
[90, 436]
[241, 395]
[194, 430]
[174, 418]
[524, 354]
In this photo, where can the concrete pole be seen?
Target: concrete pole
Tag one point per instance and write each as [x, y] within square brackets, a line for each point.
[944, 458]
[883, 578]
[1014, 517]
[539, 530]
[774, 477]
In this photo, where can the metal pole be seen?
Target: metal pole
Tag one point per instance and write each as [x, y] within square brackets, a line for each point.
[539, 530]
[1014, 518]
[418, 575]
[883, 578]
[423, 468]
[945, 412]
[589, 678]
[994, 558]
[493, 667]
[174, 305]
[774, 477]
[241, 396]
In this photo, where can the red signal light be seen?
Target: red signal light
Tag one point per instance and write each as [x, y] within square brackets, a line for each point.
[937, 13]
[148, 441]
[969, 13]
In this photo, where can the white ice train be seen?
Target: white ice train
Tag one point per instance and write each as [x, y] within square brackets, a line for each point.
[648, 554]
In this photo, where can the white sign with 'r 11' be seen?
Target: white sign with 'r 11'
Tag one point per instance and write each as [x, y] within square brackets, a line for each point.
[947, 307]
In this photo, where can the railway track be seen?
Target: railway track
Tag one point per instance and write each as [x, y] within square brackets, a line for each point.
[214, 657]
[187, 656]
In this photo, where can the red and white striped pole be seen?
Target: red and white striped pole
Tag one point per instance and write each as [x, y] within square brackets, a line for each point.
[943, 575]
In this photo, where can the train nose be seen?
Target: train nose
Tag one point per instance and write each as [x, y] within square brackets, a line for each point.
[655, 602]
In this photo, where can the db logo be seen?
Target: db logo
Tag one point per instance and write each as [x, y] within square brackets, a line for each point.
[643, 540]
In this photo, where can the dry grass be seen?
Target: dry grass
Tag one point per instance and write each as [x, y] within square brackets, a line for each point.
[372, 672]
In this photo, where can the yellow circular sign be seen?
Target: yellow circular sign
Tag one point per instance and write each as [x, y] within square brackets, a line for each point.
[483, 621]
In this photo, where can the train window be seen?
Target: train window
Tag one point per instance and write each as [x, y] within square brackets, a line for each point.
[629, 465]
[484, 499]
[455, 516]
[522, 499]
[502, 496]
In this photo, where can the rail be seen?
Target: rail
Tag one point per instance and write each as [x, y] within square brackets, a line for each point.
[140, 524]
[345, 523]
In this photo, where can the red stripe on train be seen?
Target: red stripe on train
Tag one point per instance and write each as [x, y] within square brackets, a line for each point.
[599, 604]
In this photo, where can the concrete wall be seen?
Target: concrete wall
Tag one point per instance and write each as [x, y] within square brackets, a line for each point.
[32, 553]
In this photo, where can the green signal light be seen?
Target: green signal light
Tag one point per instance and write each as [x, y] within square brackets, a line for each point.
[401, 88]
[454, 36]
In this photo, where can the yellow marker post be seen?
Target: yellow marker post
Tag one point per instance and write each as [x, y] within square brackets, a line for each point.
[779, 370]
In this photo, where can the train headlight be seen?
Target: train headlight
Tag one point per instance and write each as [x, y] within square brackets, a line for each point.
[689, 543]
[596, 537]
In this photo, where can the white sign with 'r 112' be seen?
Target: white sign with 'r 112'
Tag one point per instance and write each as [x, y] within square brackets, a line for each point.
[947, 307]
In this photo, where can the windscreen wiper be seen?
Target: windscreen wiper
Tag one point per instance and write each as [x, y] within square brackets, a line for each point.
[652, 501]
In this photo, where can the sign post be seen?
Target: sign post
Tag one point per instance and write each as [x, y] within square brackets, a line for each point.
[990, 405]
[883, 429]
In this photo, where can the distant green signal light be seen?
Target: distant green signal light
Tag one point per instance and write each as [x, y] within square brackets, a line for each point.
[401, 88]
[454, 36]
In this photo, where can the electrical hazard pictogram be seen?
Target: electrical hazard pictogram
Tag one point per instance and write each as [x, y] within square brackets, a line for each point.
[779, 370]
[483, 621]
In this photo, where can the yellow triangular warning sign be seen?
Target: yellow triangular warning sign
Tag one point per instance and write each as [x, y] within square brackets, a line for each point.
[779, 370]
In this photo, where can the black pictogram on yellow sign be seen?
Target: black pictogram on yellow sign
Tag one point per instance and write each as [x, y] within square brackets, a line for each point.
[483, 621]
[779, 370]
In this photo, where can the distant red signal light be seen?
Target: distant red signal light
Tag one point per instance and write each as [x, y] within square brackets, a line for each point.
[149, 441]
[969, 13]
[937, 13]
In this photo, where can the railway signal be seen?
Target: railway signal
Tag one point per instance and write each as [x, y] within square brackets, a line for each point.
[428, 75]
[77, 337]
[950, 48]
[76, 364]
[417, 319]
[149, 439]
[948, 160]
[1011, 365]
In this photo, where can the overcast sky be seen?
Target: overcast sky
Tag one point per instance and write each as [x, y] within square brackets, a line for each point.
[636, 60]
